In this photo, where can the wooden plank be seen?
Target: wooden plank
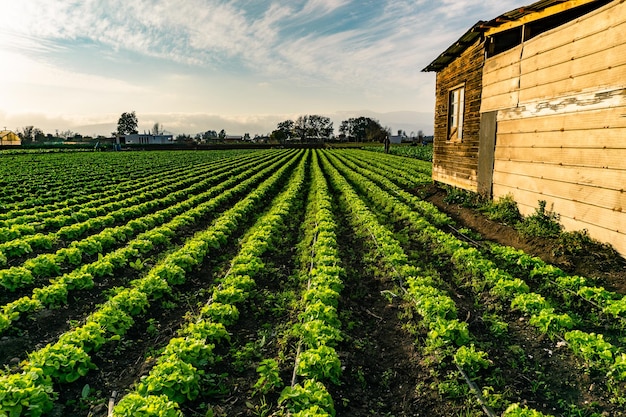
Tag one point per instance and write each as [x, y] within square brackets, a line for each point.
[611, 15]
[502, 74]
[451, 178]
[579, 118]
[613, 200]
[464, 172]
[613, 76]
[462, 166]
[501, 87]
[598, 177]
[554, 69]
[550, 72]
[502, 60]
[588, 139]
[456, 159]
[501, 101]
[572, 50]
[598, 158]
[458, 151]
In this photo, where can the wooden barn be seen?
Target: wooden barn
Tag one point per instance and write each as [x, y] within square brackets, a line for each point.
[8, 138]
[533, 104]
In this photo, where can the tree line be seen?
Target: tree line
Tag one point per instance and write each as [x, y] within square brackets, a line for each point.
[316, 127]
[306, 128]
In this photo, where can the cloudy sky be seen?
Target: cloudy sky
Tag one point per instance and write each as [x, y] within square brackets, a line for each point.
[239, 65]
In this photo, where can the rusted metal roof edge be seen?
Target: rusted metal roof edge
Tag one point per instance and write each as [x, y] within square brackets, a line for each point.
[479, 28]
[457, 48]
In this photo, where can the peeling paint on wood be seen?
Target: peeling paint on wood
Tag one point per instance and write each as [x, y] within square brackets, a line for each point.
[593, 100]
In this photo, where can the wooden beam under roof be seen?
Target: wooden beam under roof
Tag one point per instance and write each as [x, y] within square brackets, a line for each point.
[530, 13]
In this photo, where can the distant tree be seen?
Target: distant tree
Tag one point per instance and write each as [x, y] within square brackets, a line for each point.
[66, 134]
[184, 138]
[313, 126]
[278, 136]
[222, 134]
[246, 136]
[320, 126]
[209, 134]
[300, 126]
[362, 129]
[157, 129]
[27, 133]
[38, 135]
[31, 134]
[286, 127]
[284, 130]
[127, 124]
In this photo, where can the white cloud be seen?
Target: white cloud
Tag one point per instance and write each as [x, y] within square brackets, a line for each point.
[323, 6]
[210, 56]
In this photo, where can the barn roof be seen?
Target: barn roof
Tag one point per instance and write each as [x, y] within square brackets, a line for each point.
[8, 135]
[505, 21]
[456, 49]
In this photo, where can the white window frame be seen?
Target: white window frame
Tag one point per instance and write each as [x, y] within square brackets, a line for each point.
[456, 110]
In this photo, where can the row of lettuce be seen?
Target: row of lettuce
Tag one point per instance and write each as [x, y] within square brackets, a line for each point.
[55, 181]
[31, 391]
[491, 278]
[43, 227]
[135, 239]
[109, 228]
[368, 184]
[176, 376]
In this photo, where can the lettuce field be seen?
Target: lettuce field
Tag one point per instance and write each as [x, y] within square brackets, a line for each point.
[281, 283]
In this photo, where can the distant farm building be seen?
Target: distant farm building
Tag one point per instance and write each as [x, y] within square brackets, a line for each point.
[233, 138]
[147, 139]
[9, 138]
[533, 104]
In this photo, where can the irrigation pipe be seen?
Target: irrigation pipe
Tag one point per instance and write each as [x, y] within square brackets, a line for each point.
[482, 246]
[294, 375]
[477, 392]
[112, 403]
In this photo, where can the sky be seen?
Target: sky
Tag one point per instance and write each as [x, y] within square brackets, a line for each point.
[239, 65]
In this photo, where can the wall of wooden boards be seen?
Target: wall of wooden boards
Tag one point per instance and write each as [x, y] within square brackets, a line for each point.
[455, 161]
[561, 125]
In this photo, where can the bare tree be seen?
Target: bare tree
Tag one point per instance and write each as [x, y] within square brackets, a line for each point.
[27, 133]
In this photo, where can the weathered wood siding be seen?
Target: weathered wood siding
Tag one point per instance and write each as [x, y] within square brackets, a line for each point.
[455, 162]
[501, 78]
[561, 124]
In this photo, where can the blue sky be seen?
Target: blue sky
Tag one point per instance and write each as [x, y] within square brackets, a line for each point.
[242, 66]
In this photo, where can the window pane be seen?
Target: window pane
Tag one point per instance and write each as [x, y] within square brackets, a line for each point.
[460, 107]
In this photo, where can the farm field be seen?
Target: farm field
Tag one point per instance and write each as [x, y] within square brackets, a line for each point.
[281, 282]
